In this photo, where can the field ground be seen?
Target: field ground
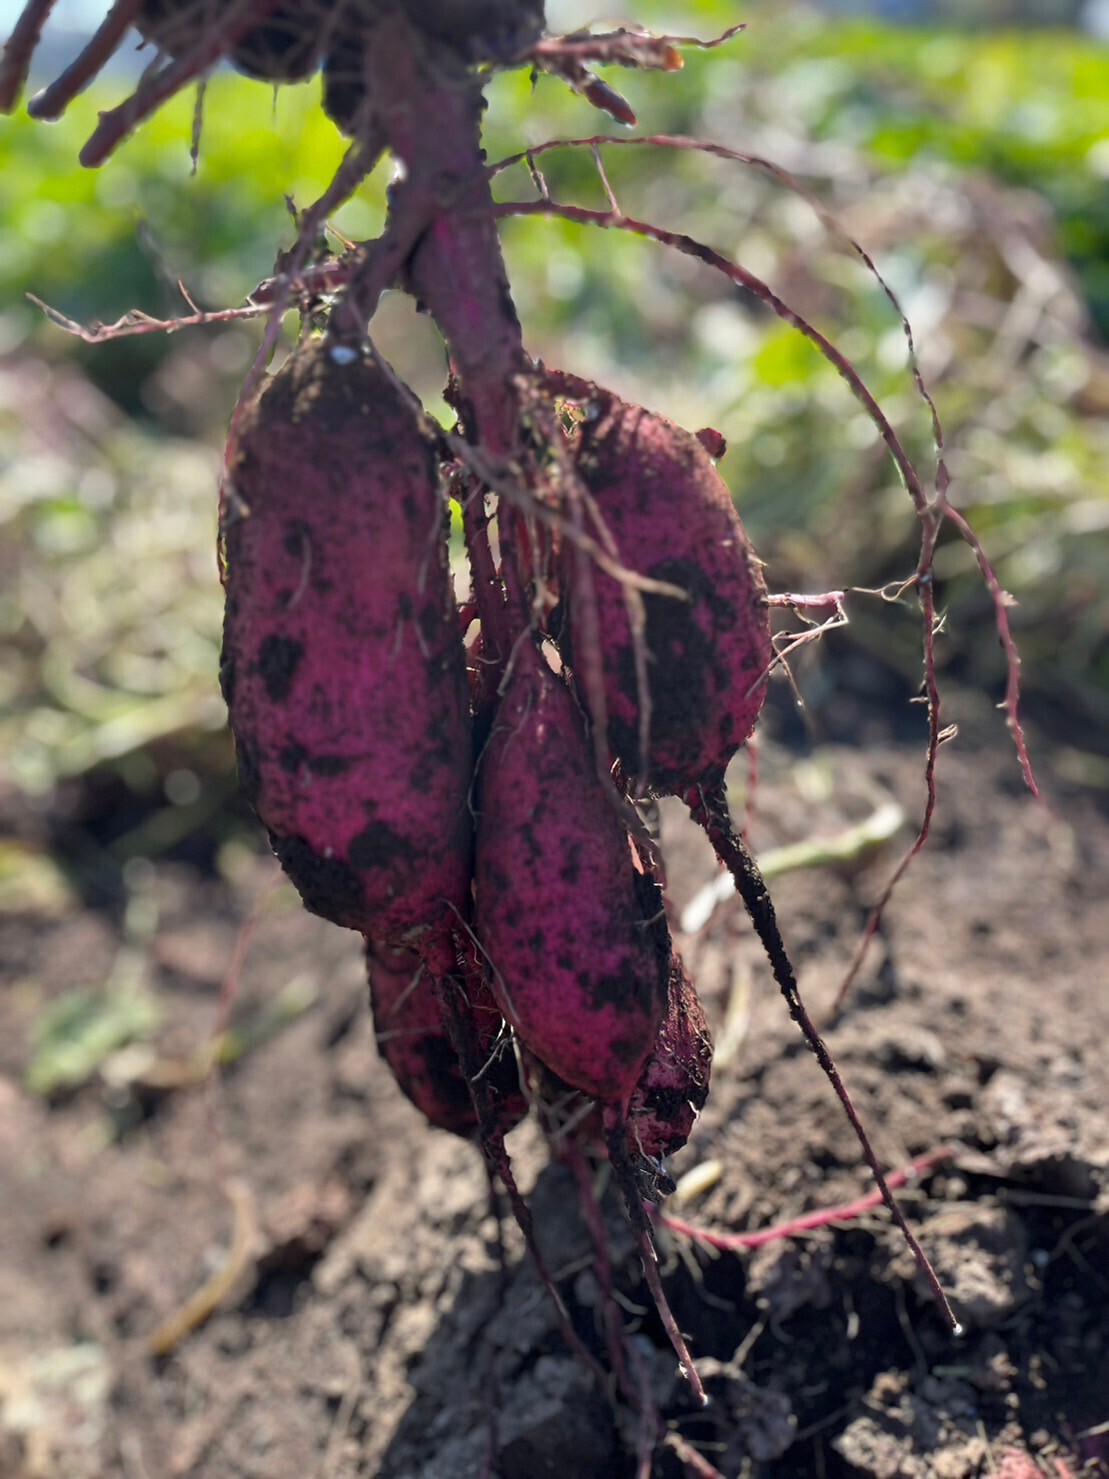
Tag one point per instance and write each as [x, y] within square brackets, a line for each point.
[370, 1329]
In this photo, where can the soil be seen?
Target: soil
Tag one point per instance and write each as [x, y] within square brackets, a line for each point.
[373, 1322]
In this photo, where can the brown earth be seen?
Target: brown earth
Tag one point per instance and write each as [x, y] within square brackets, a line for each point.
[370, 1327]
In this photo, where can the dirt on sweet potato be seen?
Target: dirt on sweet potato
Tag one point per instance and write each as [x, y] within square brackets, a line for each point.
[571, 930]
[343, 666]
[707, 649]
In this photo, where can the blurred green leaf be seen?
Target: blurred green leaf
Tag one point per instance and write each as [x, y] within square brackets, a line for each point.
[31, 882]
[78, 1033]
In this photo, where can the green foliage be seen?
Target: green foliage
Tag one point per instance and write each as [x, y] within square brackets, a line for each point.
[96, 243]
[1028, 108]
[109, 618]
[79, 1032]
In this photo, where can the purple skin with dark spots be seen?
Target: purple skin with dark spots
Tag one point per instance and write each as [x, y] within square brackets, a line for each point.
[674, 1084]
[672, 518]
[415, 1043]
[574, 966]
[343, 667]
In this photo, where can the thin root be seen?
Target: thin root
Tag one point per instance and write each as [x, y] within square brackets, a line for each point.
[214, 1292]
[709, 808]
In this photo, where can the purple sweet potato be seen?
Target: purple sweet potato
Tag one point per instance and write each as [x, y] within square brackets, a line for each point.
[479, 28]
[343, 666]
[284, 47]
[671, 1090]
[415, 1043]
[576, 945]
[674, 1083]
[672, 519]
[344, 78]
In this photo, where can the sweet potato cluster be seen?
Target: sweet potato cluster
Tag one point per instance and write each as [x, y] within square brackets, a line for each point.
[479, 828]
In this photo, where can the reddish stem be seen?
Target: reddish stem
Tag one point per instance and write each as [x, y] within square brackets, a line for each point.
[625, 48]
[1005, 632]
[796, 1226]
[431, 114]
[624, 1174]
[926, 592]
[52, 101]
[217, 40]
[614, 1330]
[695, 1463]
[19, 50]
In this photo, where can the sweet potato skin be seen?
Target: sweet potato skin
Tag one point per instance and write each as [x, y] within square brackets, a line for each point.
[416, 1045]
[412, 1040]
[342, 666]
[671, 1090]
[674, 1084]
[575, 966]
[673, 519]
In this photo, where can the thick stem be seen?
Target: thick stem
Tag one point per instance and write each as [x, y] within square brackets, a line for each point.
[430, 109]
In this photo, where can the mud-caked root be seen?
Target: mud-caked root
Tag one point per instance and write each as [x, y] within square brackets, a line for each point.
[709, 808]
